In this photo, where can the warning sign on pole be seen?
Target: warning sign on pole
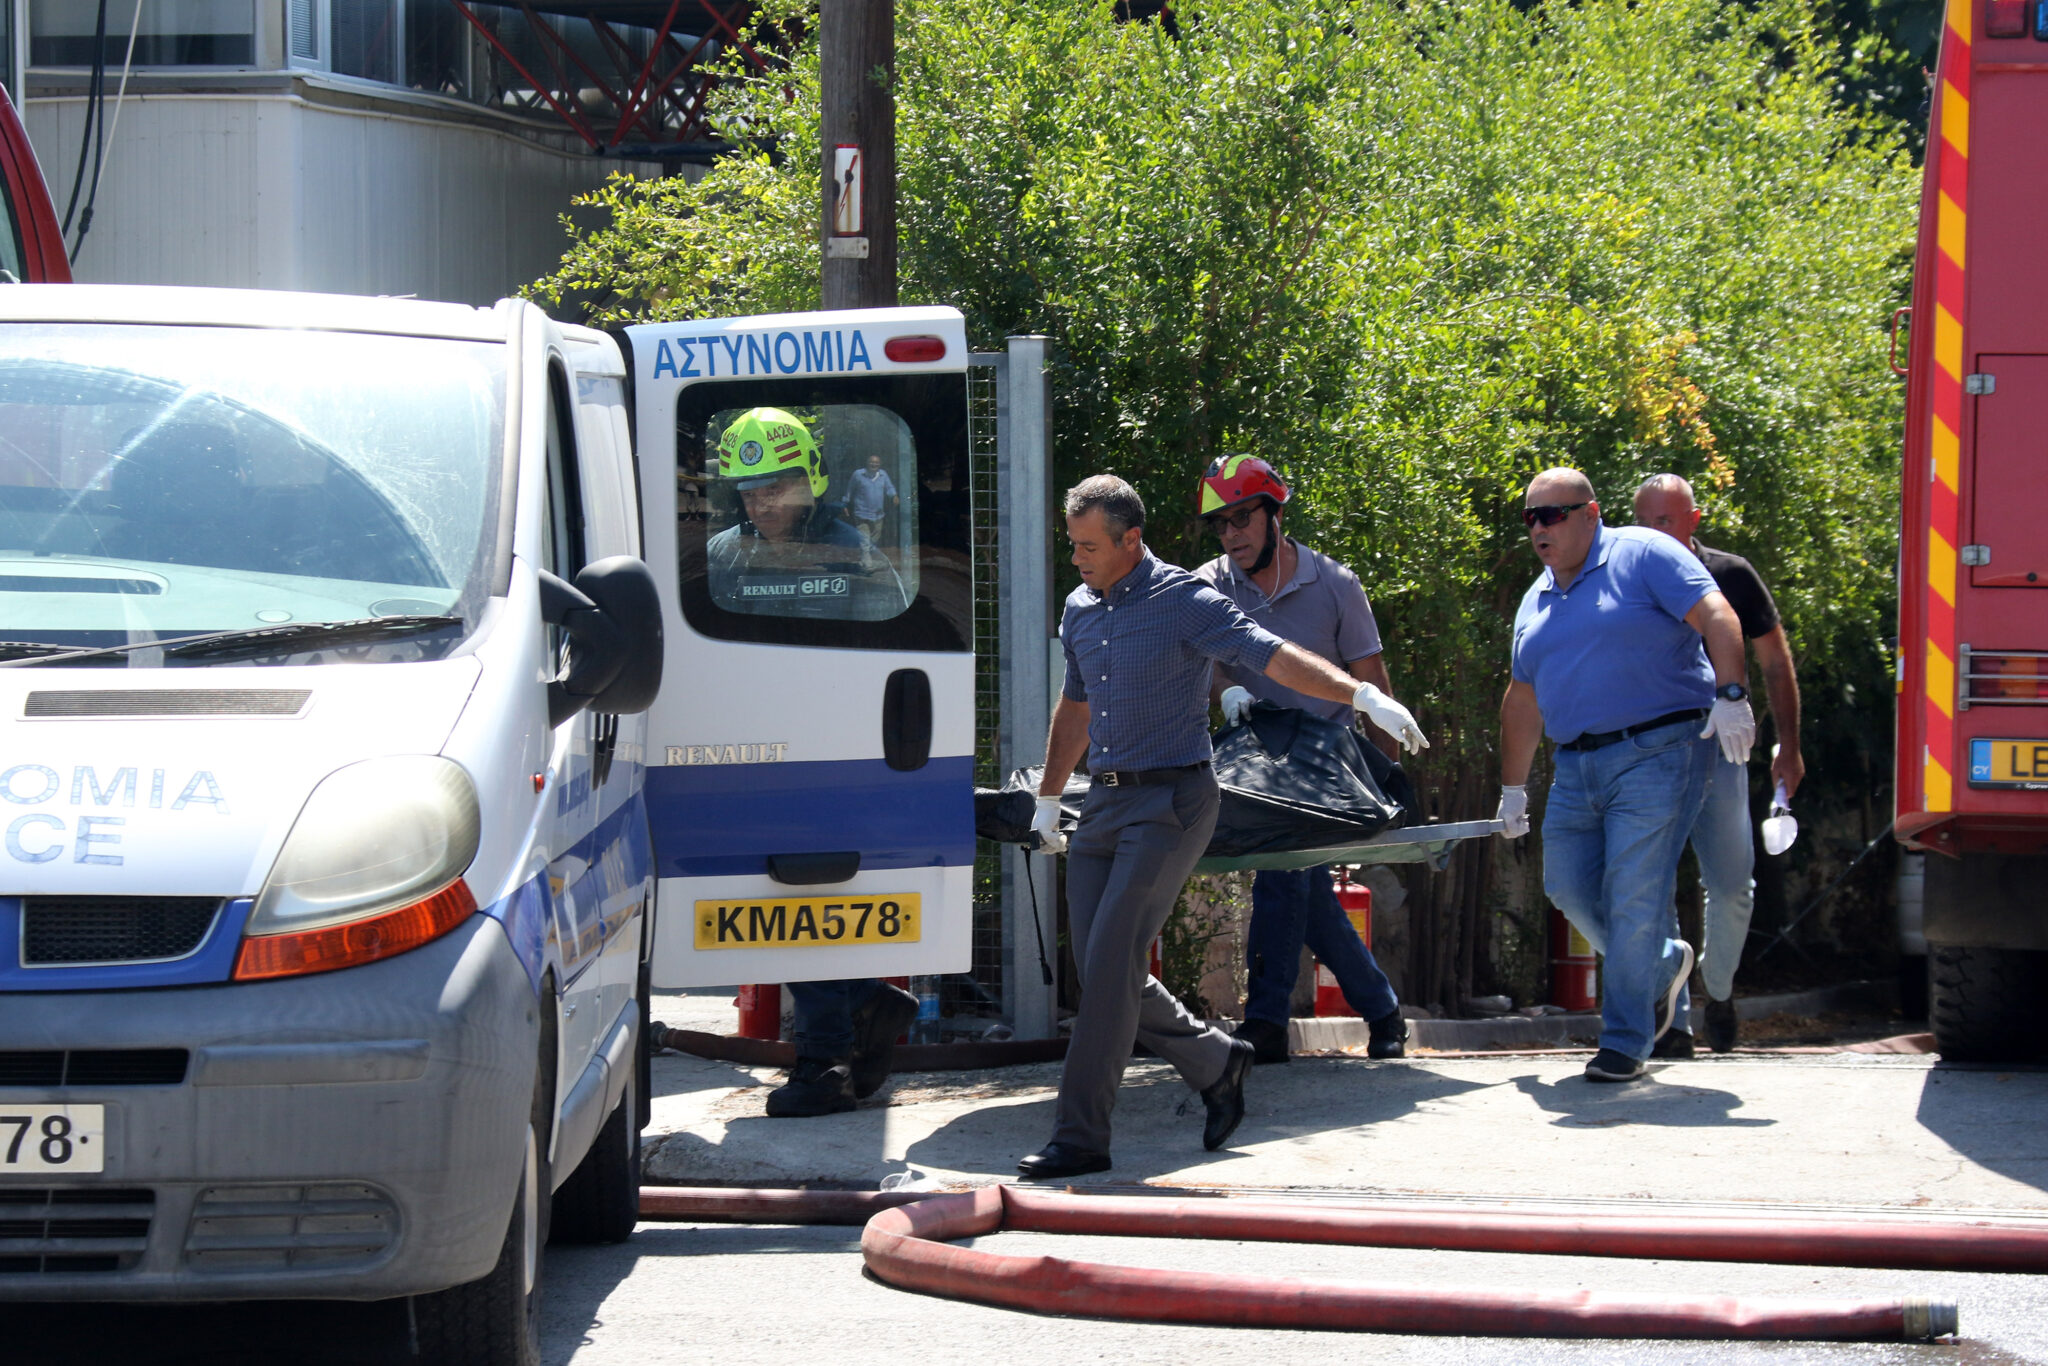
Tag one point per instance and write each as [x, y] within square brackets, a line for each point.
[846, 177]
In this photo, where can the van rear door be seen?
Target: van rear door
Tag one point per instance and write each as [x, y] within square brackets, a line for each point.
[811, 756]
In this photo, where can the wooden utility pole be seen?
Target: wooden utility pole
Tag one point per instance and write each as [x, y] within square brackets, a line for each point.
[857, 80]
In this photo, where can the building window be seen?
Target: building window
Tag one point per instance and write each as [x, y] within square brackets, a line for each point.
[171, 33]
[366, 39]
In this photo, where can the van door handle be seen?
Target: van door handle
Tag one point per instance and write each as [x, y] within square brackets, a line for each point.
[907, 720]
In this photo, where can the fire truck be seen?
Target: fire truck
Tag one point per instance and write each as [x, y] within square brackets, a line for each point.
[1972, 754]
[31, 247]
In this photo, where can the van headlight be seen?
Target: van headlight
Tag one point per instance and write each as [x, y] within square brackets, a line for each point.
[372, 867]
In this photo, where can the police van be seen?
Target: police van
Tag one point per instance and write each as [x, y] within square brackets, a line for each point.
[325, 871]
[339, 783]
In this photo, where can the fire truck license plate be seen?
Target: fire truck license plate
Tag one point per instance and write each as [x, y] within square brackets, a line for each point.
[808, 922]
[52, 1138]
[2009, 763]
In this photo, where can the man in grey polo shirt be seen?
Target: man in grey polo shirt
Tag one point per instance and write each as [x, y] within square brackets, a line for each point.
[1139, 636]
[1318, 604]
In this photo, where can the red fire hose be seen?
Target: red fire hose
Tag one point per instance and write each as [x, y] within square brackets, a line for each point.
[907, 1247]
[904, 1244]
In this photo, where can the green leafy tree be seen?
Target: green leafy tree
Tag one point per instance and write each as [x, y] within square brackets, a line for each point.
[1411, 255]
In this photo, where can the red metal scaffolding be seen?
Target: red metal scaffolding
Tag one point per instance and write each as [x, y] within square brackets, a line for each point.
[621, 99]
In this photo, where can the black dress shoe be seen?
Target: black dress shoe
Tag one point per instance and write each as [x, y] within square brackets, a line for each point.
[1388, 1035]
[1056, 1160]
[1722, 1026]
[1225, 1097]
[1268, 1040]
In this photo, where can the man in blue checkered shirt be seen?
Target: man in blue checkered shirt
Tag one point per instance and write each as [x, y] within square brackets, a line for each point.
[1139, 637]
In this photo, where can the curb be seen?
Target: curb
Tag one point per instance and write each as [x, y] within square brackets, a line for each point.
[1335, 1033]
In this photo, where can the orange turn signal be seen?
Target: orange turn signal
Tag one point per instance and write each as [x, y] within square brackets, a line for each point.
[359, 941]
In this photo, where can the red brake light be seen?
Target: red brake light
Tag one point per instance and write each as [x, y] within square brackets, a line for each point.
[358, 941]
[2005, 18]
[915, 349]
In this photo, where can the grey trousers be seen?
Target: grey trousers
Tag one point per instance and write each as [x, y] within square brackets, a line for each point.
[1131, 853]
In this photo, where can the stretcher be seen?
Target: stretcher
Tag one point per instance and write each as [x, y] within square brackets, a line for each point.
[1430, 844]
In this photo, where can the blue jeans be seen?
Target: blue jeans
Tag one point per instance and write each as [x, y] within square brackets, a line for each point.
[823, 1027]
[1721, 842]
[1613, 829]
[1297, 906]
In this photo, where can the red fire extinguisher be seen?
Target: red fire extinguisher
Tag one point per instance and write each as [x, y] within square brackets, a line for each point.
[1574, 972]
[1356, 899]
[760, 1012]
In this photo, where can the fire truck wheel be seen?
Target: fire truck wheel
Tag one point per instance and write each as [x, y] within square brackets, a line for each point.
[1984, 1005]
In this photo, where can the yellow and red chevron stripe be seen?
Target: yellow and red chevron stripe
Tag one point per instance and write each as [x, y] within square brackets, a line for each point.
[1944, 504]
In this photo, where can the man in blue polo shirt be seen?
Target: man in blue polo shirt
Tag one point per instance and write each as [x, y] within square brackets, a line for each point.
[1629, 658]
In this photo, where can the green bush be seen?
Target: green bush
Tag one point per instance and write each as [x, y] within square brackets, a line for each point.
[1411, 254]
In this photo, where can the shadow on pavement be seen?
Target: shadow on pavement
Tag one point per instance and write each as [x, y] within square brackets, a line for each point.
[1578, 1103]
[262, 1333]
[1991, 1116]
[1158, 1122]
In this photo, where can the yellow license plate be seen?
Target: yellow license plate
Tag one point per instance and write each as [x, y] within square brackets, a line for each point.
[809, 922]
[2009, 763]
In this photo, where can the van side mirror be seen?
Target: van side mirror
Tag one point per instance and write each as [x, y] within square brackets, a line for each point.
[612, 614]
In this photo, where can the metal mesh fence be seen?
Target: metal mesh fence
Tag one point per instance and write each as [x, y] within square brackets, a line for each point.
[984, 996]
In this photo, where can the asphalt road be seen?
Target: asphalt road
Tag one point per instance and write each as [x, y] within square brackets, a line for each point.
[1756, 1132]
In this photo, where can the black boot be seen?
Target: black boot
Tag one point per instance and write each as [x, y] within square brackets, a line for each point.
[816, 1086]
[876, 1024]
[1389, 1035]
[1268, 1040]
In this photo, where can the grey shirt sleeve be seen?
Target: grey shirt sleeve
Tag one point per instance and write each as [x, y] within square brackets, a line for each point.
[1358, 634]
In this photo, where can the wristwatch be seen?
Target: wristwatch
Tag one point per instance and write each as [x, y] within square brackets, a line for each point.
[1731, 692]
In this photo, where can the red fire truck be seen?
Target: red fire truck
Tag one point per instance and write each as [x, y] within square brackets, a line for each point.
[1972, 778]
[31, 248]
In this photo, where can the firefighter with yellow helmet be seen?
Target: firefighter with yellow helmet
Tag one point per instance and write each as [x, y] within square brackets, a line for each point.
[1314, 602]
[790, 553]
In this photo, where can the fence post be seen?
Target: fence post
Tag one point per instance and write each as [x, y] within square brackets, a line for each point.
[1024, 508]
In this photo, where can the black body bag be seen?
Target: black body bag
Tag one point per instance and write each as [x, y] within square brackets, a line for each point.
[1290, 781]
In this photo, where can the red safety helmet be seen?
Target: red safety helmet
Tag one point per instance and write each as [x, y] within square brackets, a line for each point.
[1234, 478]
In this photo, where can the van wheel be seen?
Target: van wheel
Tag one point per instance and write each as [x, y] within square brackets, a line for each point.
[600, 1202]
[1984, 1005]
[494, 1321]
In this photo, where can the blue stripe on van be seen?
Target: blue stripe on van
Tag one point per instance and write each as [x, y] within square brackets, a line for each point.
[213, 962]
[723, 820]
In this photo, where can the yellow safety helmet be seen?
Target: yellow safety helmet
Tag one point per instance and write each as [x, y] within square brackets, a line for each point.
[763, 444]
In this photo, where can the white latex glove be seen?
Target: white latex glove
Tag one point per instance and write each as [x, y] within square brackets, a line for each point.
[1514, 812]
[1390, 716]
[1045, 823]
[1734, 724]
[1236, 702]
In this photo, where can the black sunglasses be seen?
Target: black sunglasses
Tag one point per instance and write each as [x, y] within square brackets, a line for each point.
[1238, 520]
[1549, 514]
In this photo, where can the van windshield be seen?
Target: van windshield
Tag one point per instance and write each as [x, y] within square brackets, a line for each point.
[159, 482]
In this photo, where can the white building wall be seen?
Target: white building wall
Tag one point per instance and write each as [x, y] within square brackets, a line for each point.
[276, 191]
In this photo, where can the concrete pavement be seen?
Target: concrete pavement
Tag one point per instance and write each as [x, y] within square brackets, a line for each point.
[1837, 1130]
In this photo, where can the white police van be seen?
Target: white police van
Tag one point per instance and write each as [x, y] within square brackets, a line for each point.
[325, 868]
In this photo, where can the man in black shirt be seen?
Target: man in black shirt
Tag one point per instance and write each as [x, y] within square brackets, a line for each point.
[1721, 836]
